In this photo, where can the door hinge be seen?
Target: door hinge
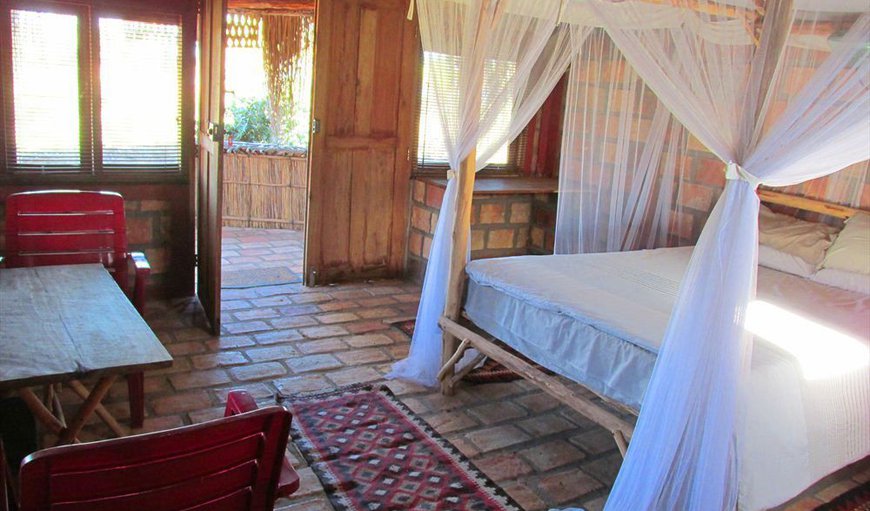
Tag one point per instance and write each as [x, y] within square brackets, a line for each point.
[315, 126]
[196, 260]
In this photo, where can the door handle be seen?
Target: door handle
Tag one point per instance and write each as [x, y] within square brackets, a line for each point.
[215, 132]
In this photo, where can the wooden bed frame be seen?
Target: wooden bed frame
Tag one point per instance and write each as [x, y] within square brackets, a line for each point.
[458, 338]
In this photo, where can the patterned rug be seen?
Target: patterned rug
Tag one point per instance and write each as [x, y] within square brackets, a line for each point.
[856, 499]
[372, 453]
[490, 372]
[258, 277]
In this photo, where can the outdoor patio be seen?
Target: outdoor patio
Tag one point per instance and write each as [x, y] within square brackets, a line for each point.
[297, 339]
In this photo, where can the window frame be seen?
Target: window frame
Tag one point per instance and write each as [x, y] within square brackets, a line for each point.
[516, 148]
[89, 12]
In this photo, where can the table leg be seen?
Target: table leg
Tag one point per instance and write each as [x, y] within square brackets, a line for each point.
[75, 425]
[100, 410]
[51, 399]
[57, 408]
[40, 412]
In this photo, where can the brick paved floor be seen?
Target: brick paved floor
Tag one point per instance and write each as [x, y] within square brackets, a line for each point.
[307, 339]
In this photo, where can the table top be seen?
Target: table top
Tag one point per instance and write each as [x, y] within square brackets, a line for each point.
[64, 322]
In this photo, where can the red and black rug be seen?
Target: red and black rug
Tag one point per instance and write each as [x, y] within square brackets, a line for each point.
[856, 499]
[372, 453]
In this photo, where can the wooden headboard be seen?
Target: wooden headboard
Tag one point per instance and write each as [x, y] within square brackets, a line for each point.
[803, 203]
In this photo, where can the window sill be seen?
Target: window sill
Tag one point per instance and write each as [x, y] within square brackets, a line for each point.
[90, 179]
[506, 185]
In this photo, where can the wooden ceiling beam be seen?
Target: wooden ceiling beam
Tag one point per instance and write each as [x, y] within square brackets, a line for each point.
[713, 9]
[271, 6]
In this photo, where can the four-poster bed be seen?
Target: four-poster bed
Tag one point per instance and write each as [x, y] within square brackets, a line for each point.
[596, 321]
[776, 90]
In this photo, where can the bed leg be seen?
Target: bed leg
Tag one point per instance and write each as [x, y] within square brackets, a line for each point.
[450, 365]
[458, 254]
[621, 443]
[448, 349]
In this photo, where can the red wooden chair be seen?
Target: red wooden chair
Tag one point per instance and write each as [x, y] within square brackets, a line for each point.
[231, 464]
[77, 227]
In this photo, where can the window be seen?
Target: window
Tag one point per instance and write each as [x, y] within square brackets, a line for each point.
[92, 93]
[140, 100]
[443, 70]
[45, 78]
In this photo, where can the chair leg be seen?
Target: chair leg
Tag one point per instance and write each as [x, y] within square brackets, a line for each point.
[136, 393]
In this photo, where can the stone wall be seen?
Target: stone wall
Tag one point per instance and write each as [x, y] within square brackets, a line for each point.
[501, 224]
[542, 230]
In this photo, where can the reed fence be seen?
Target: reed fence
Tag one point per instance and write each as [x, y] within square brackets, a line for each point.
[264, 191]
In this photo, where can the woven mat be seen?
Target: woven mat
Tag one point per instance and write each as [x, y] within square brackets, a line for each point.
[856, 499]
[258, 277]
[372, 453]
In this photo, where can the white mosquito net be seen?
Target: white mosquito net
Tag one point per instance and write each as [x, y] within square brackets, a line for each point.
[779, 90]
[506, 56]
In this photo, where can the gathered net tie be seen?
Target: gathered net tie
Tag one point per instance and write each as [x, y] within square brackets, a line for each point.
[735, 171]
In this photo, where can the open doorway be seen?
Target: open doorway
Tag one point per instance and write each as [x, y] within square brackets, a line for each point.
[268, 80]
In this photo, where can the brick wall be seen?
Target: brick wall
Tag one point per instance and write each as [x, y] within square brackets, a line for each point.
[501, 224]
[702, 184]
[159, 223]
[542, 230]
[703, 173]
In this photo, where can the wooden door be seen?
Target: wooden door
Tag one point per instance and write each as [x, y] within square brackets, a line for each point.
[209, 181]
[366, 55]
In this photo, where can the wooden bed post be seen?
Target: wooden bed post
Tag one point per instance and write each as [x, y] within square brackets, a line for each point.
[489, 14]
[458, 254]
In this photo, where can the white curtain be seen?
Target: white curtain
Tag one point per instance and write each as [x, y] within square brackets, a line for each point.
[506, 56]
[846, 187]
[623, 156]
[724, 76]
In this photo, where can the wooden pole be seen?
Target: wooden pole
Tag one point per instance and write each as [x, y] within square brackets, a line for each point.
[100, 410]
[40, 412]
[447, 367]
[75, 425]
[456, 273]
[712, 9]
[489, 14]
[552, 385]
[773, 30]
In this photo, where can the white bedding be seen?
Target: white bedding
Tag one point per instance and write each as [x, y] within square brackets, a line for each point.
[599, 319]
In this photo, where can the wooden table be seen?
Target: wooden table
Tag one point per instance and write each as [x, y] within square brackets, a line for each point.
[59, 324]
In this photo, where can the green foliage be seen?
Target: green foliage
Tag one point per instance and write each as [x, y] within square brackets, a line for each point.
[248, 120]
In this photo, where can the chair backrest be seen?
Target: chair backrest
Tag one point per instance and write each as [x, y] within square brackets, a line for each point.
[226, 464]
[66, 227]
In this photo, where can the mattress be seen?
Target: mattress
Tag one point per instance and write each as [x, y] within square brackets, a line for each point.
[599, 319]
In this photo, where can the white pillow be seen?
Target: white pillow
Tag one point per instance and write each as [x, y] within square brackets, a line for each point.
[858, 282]
[783, 261]
[792, 245]
[851, 250]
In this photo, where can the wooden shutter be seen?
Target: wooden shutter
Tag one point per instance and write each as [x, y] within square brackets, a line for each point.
[47, 91]
[140, 95]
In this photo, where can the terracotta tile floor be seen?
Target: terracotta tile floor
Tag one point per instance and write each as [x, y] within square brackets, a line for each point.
[306, 339]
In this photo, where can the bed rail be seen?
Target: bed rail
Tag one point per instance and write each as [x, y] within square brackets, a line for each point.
[806, 204]
[618, 427]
